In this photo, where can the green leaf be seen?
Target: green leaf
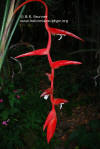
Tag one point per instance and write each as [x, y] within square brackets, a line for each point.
[12, 100]
[4, 115]
[4, 19]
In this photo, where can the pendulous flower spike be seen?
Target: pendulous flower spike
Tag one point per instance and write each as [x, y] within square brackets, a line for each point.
[51, 119]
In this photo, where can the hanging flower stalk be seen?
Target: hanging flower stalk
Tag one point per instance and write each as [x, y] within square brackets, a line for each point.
[51, 119]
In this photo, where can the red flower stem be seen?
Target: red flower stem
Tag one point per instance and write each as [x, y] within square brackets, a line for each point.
[26, 2]
[49, 41]
[52, 80]
[52, 74]
[52, 86]
[50, 60]
[46, 10]
[46, 18]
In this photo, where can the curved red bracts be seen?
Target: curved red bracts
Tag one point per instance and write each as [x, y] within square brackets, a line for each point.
[57, 101]
[51, 128]
[51, 115]
[51, 119]
[50, 123]
[55, 31]
[60, 63]
[36, 52]
[46, 92]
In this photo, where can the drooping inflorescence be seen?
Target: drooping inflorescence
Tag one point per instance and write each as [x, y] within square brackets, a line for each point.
[51, 119]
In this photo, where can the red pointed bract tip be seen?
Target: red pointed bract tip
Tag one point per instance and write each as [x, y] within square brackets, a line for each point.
[50, 116]
[36, 52]
[57, 101]
[55, 31]
[51, 129]
[60, 63]
[46, 92]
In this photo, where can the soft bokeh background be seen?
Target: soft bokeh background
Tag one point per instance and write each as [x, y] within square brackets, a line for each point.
[21, 83]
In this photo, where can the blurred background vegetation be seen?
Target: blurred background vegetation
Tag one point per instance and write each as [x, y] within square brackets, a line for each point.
[22, 81]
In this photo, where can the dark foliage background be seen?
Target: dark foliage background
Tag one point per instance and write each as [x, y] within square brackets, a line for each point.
[78, 122]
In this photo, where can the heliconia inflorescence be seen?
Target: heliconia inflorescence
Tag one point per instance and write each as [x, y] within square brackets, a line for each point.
[51, 119]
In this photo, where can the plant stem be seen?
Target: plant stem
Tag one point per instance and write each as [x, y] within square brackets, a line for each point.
[4, 20]
[52, 86]
[9, 40]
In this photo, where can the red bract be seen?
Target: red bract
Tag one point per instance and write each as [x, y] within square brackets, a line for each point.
[51, 128]
[60, 63]
[55, 31]
[36, 52]
[50, 116]
[50, 123]
[59, 100]
[46, 92]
